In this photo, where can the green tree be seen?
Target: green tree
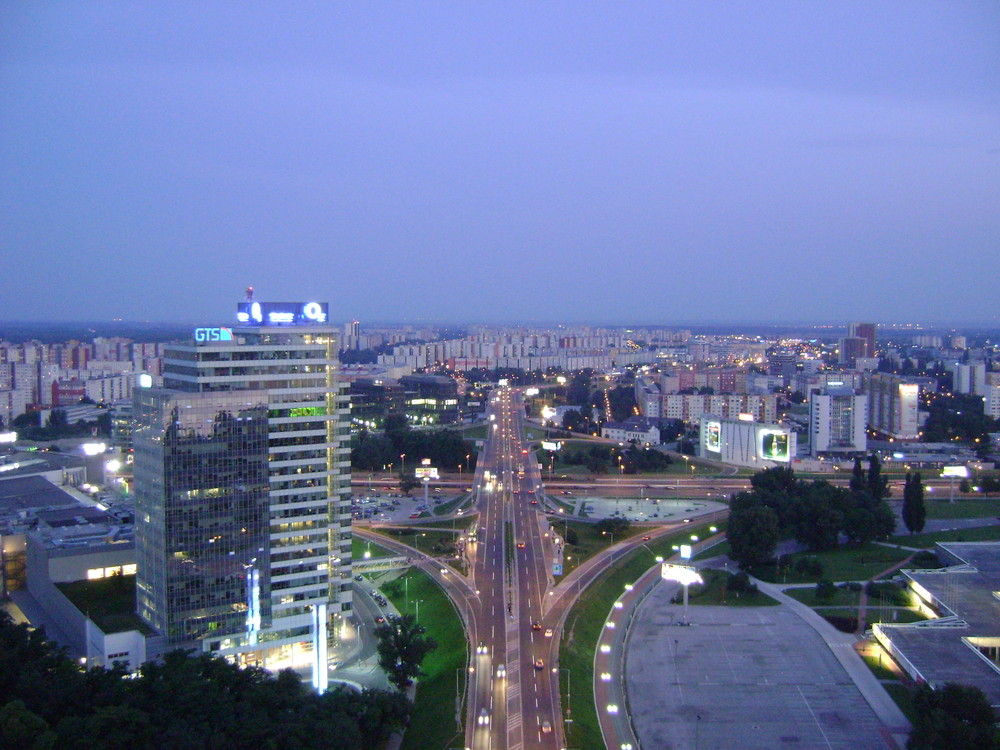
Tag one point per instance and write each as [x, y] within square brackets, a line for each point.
[752, 534]
[956, 717]
[408, 483]
[914, 508]
[20, 728]
[402, 647]
[858, 480]
[878, 485]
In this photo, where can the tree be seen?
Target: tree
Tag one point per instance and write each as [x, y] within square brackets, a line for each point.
[858, 481]
[956, 717]
[408, 483]
[571, 536]
[914, 508]
[752, 534]
[22, 728]
[402, 647]
[878, 485]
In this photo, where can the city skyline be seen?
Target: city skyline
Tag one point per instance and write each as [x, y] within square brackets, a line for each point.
[500, 163]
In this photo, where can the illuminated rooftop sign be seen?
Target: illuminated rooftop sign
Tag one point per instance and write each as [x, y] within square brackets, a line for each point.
[213, 334]
[282, 313]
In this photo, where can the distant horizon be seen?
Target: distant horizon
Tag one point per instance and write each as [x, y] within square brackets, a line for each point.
[956, 327]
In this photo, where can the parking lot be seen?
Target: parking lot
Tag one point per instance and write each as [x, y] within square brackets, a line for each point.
[754, 678]
[387, 505]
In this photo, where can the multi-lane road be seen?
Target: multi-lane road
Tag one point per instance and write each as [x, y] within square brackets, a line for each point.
[513, 696]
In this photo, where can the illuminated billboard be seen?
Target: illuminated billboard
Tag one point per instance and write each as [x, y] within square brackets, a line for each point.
[282, 313]
[713, 436]
[774, 445]
[551, 446]
[429, 472]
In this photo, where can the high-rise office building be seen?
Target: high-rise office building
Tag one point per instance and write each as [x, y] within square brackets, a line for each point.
[864, 331]
[242, 490]
[837, 419]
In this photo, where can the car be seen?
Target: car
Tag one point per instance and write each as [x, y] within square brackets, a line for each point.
[484, 718]
[548, 632]
[539, 664]
[501, 671]
[524, 451]
[359, 577]
[520, 545]
[546, 727]
[645, 539]
[414, 515]
[687, 520]
[482, 648]
[536, 625]
[534, 502]
[380, 620]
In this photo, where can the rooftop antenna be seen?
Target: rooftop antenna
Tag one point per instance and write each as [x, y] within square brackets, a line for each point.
[249, 294]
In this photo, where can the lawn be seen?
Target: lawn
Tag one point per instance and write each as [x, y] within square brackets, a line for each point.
[903, 698]
[475, 433]
[841, 564]
[432, 722]
[714, 592]
[976, 534]
[109, 602]
[589, 541]
[448, 507]
[359, 546]
[584, 626]
[963, 508]
[428, 541]
[566, 507]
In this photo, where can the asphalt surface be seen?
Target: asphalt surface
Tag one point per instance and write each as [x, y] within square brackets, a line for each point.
[517, 708]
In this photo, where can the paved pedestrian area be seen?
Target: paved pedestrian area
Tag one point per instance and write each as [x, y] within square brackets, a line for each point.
[740, 677]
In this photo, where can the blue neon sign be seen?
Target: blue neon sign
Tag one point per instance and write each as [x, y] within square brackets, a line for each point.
[282, 313]
[213, 334]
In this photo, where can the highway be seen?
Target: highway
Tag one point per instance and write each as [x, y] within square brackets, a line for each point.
[513, 702]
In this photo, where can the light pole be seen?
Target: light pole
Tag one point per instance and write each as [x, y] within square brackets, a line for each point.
[417, 605]
[402, 464]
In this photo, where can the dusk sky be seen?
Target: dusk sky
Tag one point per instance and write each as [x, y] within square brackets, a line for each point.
[638, 162]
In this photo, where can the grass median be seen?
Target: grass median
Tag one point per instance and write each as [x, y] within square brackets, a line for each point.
[432, 722]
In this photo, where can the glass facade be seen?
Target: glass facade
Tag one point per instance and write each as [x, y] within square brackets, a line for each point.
[202, 505]
[288, 378]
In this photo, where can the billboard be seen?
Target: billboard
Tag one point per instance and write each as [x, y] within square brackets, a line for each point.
[430, 472]
[774, 445]
[551, 446]
[713, 436]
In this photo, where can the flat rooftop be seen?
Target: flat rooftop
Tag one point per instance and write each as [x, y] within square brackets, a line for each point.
[32, 493]
[948, 649]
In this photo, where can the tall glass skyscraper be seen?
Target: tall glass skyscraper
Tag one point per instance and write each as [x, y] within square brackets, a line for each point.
[242, 482]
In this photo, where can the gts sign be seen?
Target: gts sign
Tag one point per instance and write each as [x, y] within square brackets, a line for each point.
[213, 334]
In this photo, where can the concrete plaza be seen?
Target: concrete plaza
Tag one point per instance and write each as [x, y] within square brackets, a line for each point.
[740, 677]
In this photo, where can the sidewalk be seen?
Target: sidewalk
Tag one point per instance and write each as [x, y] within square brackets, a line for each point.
[842, 647]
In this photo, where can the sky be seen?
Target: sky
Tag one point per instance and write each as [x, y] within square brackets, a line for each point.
[605, 162]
